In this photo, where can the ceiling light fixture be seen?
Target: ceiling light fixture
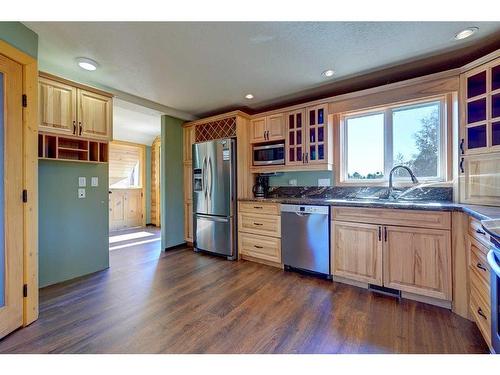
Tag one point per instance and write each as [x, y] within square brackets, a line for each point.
[328, 73]
[87, 64]
[249, 96]
[466, 33]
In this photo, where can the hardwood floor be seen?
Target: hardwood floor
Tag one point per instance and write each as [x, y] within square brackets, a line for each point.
[183, 302]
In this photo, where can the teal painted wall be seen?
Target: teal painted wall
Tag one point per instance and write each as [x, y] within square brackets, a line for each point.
[303, 178]
[18, 35]
[73, 232]
[148, 184]
[171, 175]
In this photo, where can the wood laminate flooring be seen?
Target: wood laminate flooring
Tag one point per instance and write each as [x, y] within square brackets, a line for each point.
[183, 302]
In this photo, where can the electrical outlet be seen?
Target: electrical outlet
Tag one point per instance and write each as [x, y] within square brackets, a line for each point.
[82, 181]
[81, 193]
[323, 182]
[292, 182]
[94, 181]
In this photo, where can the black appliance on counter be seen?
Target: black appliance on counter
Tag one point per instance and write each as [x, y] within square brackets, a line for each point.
[261, 188]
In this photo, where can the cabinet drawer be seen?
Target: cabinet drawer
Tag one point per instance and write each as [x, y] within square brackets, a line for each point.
[477, 232]
[478, 263]
[266, 248]
[481, 312]
[260, 208]
[387, 216]
[267, 225]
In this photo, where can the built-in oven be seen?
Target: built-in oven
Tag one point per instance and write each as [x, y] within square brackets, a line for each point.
[494, 262]
[269, 154]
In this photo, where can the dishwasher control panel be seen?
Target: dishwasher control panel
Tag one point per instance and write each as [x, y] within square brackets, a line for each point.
[306, 209]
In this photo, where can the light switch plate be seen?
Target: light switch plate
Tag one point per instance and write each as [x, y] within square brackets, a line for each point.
[82, 181]
[292, 182]
[81, 193]
[94, 181]
[323, 182]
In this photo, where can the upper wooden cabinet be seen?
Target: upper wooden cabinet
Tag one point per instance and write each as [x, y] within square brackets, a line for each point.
[268, 128]
[480, 109]
[57, 106]
[309, 137]
[189, 140]
[72, 109]
[94, 115]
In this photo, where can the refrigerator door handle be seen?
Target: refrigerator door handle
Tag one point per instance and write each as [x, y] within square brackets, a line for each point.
[204, 177]
[210, 184]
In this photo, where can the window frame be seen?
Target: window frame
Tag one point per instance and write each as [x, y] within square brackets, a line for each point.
[388, 110]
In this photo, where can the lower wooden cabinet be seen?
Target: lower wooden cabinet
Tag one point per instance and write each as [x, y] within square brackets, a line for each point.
[357, 252]
[188, 221]
[125, 209]
[418, 261]
[263, 247]
[410, 259]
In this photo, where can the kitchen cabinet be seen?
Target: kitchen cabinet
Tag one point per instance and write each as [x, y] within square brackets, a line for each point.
[268, 128]
[188, 141]
[357, 251]
[94, 115]
[68, 108]
[294, 145]
[188, 221]
[125, 208]
[259, 232]
[57, 107]
[418, 260]
[480, 109]
[408, 250]
[480, 179]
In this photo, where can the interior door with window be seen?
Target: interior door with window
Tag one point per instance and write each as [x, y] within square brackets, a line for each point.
[11, 219]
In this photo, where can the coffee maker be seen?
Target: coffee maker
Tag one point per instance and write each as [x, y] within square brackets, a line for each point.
[261, 187]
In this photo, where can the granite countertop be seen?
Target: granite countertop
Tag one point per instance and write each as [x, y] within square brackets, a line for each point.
[478, 212]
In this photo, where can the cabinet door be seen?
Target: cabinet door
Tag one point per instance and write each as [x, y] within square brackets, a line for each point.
[295, 126]
[133, 208]
[189, 140]
[317, 134]
[94, 115]
[188, 221]
[275, 126]
[418, 261]
[480, 179]
[57, 106]
[117, 209]
[258, 130]
[357, 251]
[188, 189]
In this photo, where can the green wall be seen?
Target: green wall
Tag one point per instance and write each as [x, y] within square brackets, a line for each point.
[303, 178]
[171, 175]
[18, 35]
[148, 184]
[73, 232]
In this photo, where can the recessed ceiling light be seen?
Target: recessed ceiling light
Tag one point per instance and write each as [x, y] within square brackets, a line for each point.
[466, 33]
[328, 73]
[87, 64]
[249, 96]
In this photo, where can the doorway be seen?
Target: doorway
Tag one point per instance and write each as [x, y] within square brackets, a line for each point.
[127, 179]
[11, 206]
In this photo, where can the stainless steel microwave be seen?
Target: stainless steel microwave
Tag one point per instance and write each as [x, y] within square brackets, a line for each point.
[269, 154]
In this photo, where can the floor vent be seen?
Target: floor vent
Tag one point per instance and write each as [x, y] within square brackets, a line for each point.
[385, 291]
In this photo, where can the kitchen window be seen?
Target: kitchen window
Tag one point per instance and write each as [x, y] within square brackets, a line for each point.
[411, 134]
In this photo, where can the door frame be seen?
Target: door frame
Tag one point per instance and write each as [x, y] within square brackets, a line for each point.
[142, 165]
[30, 178]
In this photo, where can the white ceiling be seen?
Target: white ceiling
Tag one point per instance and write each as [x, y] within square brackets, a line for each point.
[134, 123]
[200, 67]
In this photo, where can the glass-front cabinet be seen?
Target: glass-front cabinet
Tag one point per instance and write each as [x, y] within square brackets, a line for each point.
[481, 109]
[308, 136]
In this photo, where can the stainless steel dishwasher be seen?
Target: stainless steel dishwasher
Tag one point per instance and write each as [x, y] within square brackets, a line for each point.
[305, 238]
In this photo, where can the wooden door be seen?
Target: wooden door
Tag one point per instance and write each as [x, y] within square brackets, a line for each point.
[57, 107]
[11, 222]
[94, 115]
[116, 209]
[294, 145]
[317, 134]
[418, 261]
[258, 130]
[275, 126]
[357, 251]
[133, 208]
[480, 179]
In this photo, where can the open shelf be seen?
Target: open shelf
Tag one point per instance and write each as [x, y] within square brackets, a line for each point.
[58, 147]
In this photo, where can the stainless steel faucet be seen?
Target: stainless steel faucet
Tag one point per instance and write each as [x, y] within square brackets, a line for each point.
[391, 188]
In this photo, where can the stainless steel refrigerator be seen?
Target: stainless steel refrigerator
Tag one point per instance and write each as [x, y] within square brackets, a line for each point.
[214, 197]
